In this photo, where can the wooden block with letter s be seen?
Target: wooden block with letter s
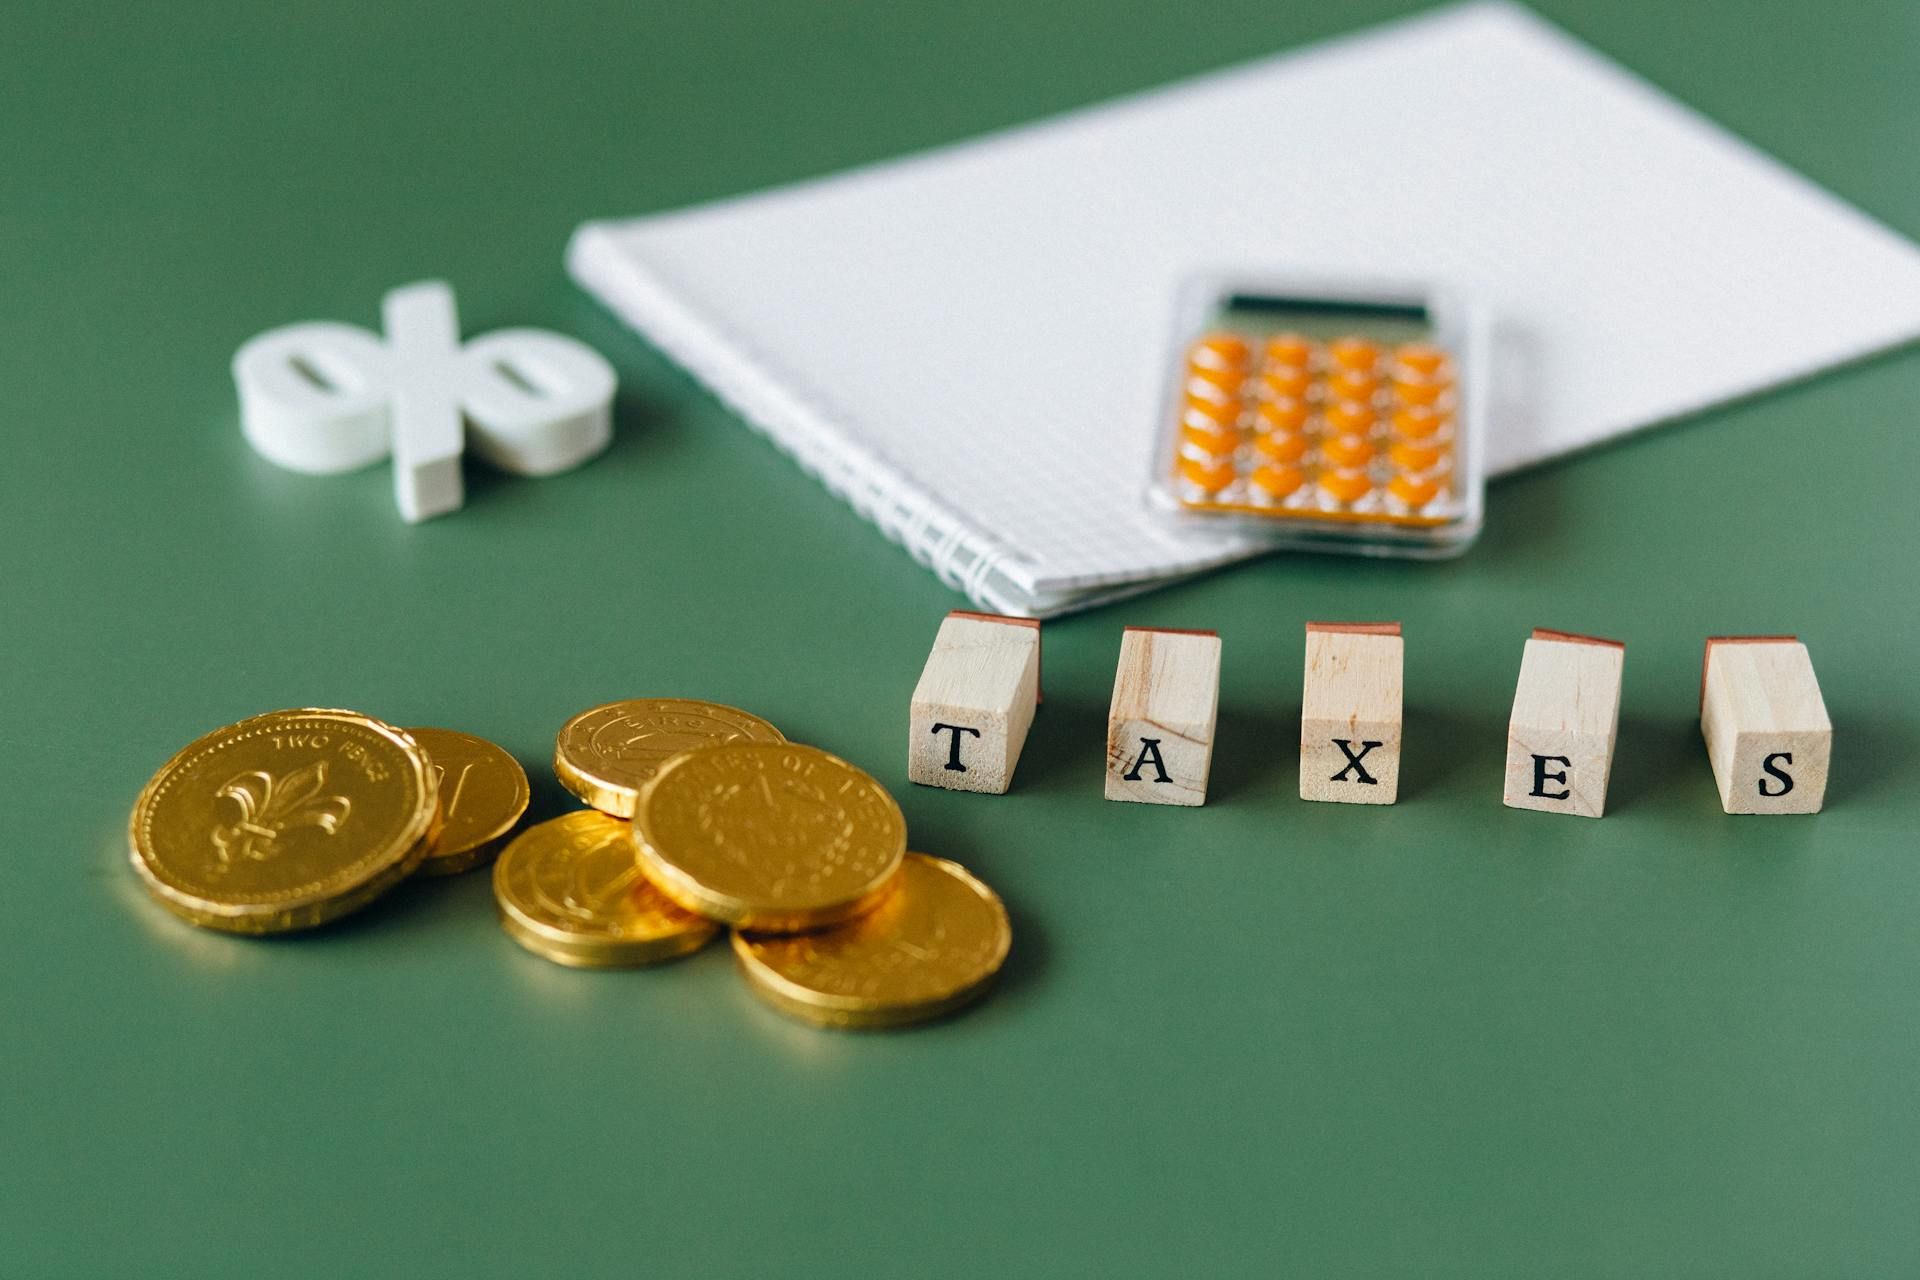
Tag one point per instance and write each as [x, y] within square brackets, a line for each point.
[1350, 712]
[974, 703]
[1166, 695]
[1566, 718]
[1766, 725]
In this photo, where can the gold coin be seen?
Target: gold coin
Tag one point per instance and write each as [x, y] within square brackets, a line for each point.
[569, 890]
[284, 820]
[769, 836]
[483, 793]
[606, 754]
[932, 945]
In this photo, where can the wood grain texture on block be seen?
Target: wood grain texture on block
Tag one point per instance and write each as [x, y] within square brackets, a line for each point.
[974, 703]
[1350, 712]
[1766, 725]
[1565, 721]
[1160, 723]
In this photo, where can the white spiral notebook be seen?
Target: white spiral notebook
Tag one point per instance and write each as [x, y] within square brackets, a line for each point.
[967, 345]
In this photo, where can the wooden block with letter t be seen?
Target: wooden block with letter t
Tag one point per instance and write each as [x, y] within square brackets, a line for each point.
[974, 703]
[1766, 724]
[1160, 723]
[1566, 715]
[1350, 712]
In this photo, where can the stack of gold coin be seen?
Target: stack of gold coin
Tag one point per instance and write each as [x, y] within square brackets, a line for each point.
[293, 818]
[803, 854]
[703, 816]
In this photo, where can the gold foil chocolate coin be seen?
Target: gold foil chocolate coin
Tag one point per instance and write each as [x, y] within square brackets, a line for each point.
[483, 793]
[606, 754]
[569, 890]
[931, 946]
[769, 836]
[284, 820]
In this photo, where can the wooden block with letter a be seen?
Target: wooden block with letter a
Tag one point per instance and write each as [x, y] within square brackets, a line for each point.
[1766, 724]
[974, 703]
[1566, 716]
[1160, 723]
[1350, 712]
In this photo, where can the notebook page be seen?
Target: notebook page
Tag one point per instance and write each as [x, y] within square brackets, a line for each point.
[982, 329]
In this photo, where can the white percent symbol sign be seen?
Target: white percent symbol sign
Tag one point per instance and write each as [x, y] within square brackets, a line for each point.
[324, 398]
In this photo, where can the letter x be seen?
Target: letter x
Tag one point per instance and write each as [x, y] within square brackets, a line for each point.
[1353, 764]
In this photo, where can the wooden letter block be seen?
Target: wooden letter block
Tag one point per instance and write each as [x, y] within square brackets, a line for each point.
[1350, 713]
[1566, 714]
[1766, 725]
[1160, 723]
[974, 703]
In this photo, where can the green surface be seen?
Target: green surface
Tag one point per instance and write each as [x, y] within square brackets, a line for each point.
[1443, 1038]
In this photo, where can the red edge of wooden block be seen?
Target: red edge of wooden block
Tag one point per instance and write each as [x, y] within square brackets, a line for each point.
[1358, 628]
[1574, 637]
[1172, 631]
[1706, 654]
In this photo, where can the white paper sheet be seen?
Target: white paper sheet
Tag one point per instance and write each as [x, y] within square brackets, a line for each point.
[968, 344]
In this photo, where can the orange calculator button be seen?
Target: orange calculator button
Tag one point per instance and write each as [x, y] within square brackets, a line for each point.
[1276, 482]
[1209, 476]
[1285, 383]
[1351, 384]
[1425, 394]
[1200, 379]
[1221, 413]
[1415, 493]
[1209, 438]
[1347, 451]
[1219, 351]
[1414, 423]
[1345, 486]
[1356, 354]
[1421, 359]
[1290, 351]
[1350, 417]
[1409, 456]
[1281, 446]
[1281, 415]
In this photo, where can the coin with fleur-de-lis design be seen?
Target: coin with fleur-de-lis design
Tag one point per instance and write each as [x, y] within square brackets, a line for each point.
[285, 820]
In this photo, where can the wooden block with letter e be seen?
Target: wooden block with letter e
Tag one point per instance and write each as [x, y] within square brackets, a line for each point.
[974, 703]
[1350, 712]
[1766, 724]
[1566, 716]
[1160, 723]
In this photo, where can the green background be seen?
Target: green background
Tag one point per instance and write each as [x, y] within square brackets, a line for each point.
[1442, 1038]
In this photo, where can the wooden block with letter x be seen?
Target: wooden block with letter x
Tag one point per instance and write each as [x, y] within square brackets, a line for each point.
[1766, 724]
[1566, 715]
[1161, 720]
[1350, 712]
[974, 703]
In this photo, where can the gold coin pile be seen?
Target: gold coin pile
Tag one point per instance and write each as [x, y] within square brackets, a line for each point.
[293, 818]
[702, 816]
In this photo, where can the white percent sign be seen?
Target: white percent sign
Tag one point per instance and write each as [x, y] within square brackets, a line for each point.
[324, 398]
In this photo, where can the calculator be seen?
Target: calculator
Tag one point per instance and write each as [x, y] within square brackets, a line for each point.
[1328, 417]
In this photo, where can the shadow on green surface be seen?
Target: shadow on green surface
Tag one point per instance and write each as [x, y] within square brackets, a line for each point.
[1255, 748]
[1658, 764]
[1441, 747]
[1063, 750]
[1872, 759]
